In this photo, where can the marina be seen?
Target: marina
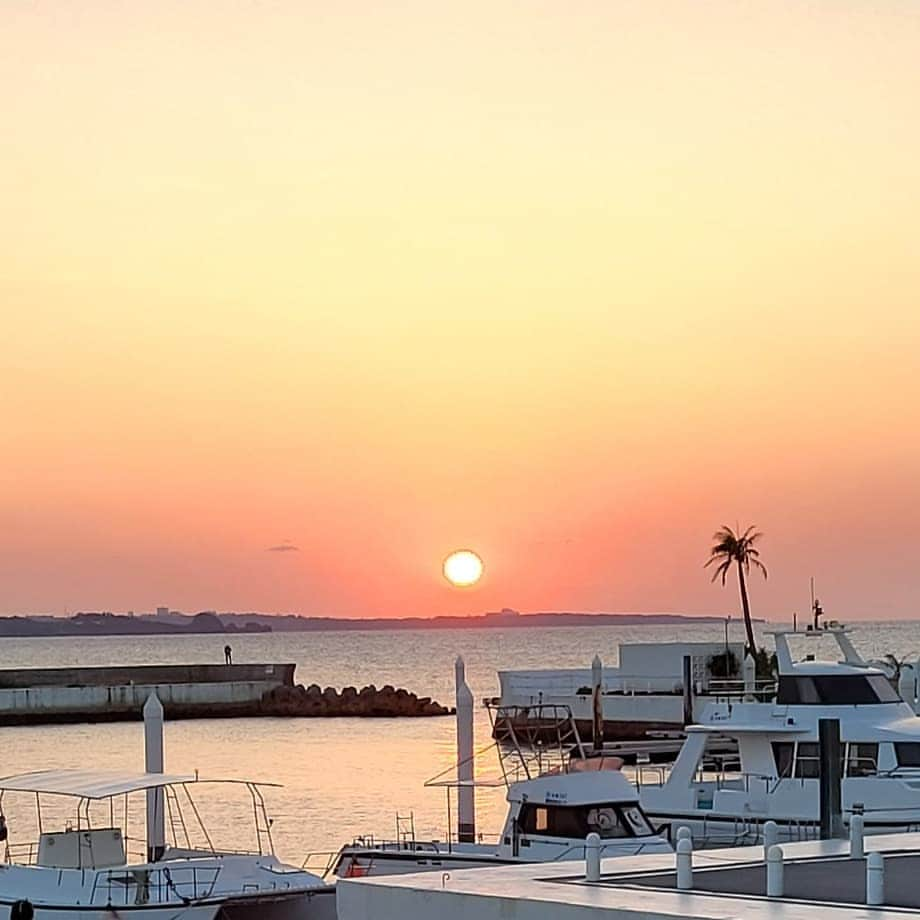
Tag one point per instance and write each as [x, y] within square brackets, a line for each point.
[457, 461]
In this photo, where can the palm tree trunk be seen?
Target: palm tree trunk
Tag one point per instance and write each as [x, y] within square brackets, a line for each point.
[746, 608]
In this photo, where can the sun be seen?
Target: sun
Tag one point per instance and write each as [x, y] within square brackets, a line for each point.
[463, 568]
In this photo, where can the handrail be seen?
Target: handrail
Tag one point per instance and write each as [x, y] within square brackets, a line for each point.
[154, 885]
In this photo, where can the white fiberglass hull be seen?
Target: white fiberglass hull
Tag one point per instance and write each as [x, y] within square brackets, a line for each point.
[357, 862]
[713, 830]
[307, 905]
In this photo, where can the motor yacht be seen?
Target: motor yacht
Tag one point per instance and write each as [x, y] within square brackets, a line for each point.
[552, 808]
[90, 868]
[775, 773]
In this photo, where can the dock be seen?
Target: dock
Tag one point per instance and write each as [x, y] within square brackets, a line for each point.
[821, 880]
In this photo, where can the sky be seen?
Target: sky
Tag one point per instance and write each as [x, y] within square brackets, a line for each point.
[568, 284]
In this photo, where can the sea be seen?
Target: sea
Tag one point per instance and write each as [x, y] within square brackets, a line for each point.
[332, 779]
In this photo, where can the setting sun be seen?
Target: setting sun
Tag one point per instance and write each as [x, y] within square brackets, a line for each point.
[463, 568]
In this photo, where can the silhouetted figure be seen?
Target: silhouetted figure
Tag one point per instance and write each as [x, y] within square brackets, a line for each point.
[228, 654]
[818, 612]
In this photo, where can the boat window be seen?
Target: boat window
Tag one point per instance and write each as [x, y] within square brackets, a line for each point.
[806, 761]
[634, 818]
[862, 758]
[542, 819]
[908, 753]
[609, 821]
[835, 690]
[784, 756]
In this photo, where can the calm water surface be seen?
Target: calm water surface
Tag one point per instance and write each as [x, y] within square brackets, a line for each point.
[340, 777]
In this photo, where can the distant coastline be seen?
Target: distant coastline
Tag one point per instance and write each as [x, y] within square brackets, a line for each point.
[175, 623]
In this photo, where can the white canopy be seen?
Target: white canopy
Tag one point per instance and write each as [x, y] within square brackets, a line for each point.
[90, 784]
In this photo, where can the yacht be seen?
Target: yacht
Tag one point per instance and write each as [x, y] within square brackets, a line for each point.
[551, 810]
[774, 775]
[90, 868]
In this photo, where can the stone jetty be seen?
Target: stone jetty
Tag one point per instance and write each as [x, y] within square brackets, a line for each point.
[199, 691]
[368, 702]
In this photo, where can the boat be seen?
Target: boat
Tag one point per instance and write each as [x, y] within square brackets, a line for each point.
[556, 798]
[657, 688]
[86, 870]
[775, 774]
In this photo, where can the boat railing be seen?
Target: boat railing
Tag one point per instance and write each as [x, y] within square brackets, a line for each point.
[321, 862]
[725, 690]
[22, 854]
[154, 885]
[651, 843]
[744, 831]
[411, 845]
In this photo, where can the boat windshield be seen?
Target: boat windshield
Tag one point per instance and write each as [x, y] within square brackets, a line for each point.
[577, 821]
[835, 690]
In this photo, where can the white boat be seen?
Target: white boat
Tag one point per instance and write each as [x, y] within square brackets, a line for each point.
[774, 775]
[84, 870]
[550, 813]
[644, 694]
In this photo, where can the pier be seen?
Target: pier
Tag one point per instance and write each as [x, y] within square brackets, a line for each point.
[38, 696]
[195, 691]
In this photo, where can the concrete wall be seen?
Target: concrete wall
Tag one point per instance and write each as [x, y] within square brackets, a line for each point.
[148, 675]
[82, 694]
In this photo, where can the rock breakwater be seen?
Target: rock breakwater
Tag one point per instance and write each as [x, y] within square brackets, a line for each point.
[368, 702]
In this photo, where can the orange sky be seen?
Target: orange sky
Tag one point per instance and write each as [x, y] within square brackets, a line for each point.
[570, 284]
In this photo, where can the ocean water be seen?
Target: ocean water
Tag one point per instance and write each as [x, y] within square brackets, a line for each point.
[338, 777]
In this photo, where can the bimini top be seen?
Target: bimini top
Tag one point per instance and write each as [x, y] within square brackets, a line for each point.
[90, 784]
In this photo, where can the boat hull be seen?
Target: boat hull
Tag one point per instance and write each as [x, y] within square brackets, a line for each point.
[307, 905]
[714, 830]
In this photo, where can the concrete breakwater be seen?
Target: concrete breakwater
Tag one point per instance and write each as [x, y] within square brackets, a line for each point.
[61, 695]
[368, 702]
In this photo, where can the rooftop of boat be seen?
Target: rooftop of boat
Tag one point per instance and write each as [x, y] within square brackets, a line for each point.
[100, 784]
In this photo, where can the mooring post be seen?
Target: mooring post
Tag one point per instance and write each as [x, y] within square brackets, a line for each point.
[857, 834]
[688, 690]
[153, 763]
[684, 864]
[597, 701]
[770, 837]
[593, 858]
[829, 773]
[775, 872]
[875, 879]
[466, 796]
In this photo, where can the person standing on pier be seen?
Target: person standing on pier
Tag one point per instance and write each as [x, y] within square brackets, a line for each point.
[228, 654]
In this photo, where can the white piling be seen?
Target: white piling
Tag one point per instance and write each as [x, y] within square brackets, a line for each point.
[770, 837]
[857, 832]
[875, 879]
[153, 763]
[593, 858]
[684, 833]
[775, 872]
[597, 703]
[466, 797]
[684, 864]
[749, 671]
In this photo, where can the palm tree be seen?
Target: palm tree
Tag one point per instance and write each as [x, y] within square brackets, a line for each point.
[737, 549]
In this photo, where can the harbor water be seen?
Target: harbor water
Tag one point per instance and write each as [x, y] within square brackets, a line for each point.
[339, 778]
